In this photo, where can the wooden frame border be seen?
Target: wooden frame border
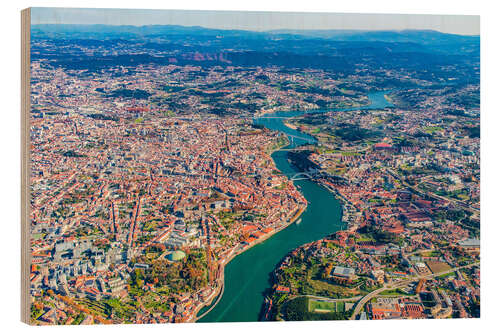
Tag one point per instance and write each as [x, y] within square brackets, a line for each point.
[25, 164]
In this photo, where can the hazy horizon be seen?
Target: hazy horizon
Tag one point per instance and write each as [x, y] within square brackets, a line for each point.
[258, 21]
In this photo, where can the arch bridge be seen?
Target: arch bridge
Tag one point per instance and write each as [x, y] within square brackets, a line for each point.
[304, 175]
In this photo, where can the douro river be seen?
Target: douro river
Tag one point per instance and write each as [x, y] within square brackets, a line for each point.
[247, 276]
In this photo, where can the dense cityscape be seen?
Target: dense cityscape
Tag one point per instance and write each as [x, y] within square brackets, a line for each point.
[151, 170]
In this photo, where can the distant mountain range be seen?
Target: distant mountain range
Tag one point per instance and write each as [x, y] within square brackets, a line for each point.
[425, 37]
[338, 50]
[411, 36]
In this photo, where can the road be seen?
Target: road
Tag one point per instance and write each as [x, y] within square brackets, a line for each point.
[399, 284]
[351, 299]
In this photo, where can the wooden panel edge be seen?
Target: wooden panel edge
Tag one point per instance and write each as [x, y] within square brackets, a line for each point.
[25, 160]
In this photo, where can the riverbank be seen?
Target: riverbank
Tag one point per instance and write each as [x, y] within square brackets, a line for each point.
[221, 281]
[341, 105]
[350, 226]
[287, 124]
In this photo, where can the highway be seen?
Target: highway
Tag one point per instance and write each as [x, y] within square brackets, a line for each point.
[327, 299]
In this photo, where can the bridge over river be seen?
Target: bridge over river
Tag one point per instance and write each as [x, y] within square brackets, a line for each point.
[247, 275]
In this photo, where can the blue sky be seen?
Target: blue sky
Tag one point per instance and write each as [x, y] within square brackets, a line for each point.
[258, 21]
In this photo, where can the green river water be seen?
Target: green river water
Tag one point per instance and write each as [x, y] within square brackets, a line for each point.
[247, 276]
